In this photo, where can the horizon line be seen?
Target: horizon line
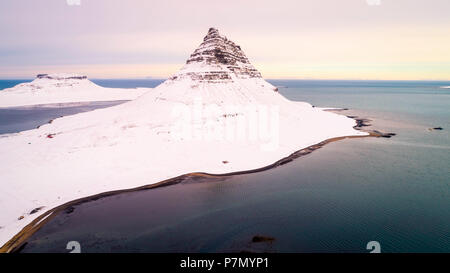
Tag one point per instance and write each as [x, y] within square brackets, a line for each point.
[292, 79]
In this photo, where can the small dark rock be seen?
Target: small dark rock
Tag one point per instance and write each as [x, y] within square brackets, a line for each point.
[285, 161]
[381, 134]
[225, 162]
[362, 123]
[69, 210]
[36, 210]
[438, 128]
[20, 218]
[259, 239]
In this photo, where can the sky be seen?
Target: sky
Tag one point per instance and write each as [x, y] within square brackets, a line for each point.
[284, 39]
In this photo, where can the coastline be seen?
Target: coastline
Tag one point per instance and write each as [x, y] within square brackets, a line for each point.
[61, 104]
[18, 240]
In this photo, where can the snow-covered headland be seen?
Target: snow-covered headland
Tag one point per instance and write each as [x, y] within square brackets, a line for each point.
[63, 88]
[216, 115]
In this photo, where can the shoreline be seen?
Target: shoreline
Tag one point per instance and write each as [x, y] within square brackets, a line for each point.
[16, 243]
[61, 104]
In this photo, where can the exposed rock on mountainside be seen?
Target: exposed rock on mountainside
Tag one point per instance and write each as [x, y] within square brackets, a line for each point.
[61, 76]
[225, 61]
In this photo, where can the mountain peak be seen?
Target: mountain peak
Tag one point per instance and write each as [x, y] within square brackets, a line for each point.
[212, 33]
[217, 59]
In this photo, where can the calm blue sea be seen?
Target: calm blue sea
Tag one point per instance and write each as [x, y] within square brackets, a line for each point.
[395, 191]
[10, 83]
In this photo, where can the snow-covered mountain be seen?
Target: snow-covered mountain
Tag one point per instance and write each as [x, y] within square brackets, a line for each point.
[216, 115]
[62, 88]
[217, 60]
[219, 71]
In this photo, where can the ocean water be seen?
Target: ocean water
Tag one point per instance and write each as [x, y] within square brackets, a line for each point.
[16, 119]
[10, 83]
[394, 191]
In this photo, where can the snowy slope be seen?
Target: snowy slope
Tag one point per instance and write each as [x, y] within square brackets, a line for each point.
[179, 127]
[63, 88]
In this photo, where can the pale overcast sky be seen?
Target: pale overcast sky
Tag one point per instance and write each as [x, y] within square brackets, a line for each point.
[314, 39]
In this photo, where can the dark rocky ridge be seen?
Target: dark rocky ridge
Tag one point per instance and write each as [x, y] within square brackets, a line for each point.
[224, 58]
[58, 77]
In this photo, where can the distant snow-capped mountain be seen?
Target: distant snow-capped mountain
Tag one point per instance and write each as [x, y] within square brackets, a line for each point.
[62, 88]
